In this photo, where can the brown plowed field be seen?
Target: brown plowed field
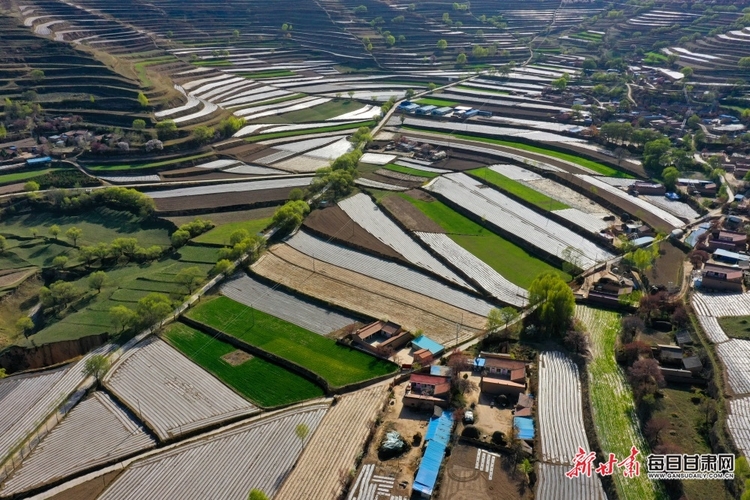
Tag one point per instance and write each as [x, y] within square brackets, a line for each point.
[328, 456]
[410, 216]
[334, 223]
[366, 295]
[209, 201]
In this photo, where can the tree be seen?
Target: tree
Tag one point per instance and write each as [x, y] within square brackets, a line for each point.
[3, 243]
[301, 431]
[256, 495]
[3, 131]
[442, 44]
[203, 134]
[25, 325]
[291, 214]
[652, 153]
[576, 341]
[561, 83]
[645, 376]
[296, 194]
[744, 63]
[139, 124]
[152, 308]
[360, 138]
[54, 231]
[222, 266]
[525, 468]
[59, 261]
[190, 278]
[228, 126]
[166, 129]
[96, 366]
[122, 317]
[97, 280]
[142, 100]
[409, 93]
[238, 236]
[236, 34]
[461, 58]
[31, 186]
[669, 175]
[502, 318]
[554, 303]
[36, 75]
[74, 234]
[687, 71]
[179, 238]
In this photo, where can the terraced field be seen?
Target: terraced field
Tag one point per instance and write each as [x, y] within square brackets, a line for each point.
[96, 432]
[612, 400]
[373, 298]
[337, 364]
[170, 393]
[268, 447]
[316, 475]
[263, 383]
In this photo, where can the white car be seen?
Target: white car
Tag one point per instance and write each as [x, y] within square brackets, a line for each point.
[468, 417]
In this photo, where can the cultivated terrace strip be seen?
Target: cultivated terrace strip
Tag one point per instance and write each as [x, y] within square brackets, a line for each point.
[171, 394]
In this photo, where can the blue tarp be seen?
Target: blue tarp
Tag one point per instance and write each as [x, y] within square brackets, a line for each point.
[479, 363]
[423, 342]
[524, 426]
[437, 437]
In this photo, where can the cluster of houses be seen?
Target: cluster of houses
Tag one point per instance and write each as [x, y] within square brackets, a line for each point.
[729, 262]
[677, 363]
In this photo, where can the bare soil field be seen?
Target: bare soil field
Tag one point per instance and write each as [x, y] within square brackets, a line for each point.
[463, 481]
[461, 162]
[410, 216]
[566, 195]
[89, 490]
[667, 266]
[368, 296]
[334, 223]
[211, 201]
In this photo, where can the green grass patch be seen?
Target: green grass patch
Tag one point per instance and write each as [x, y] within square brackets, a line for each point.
[736, 327]
[141, 166]
[410, 171]
[654, 57]
[220, 235]
[24, 175]
[590, 164]
[612, 400]
[682, 413]
[100, 224]
[431, 101]
[258, 380]
[141, 68]
[199, 254]
[267, 74]
[317, 113]
[524, 192]
[508, 259]
[318, 130]
[337, 364]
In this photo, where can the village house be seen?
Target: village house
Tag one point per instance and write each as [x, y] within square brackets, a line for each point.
[427, 391]
[727, 240]
[502, 375]
[721, 278]
[607, 288]
[381, 337]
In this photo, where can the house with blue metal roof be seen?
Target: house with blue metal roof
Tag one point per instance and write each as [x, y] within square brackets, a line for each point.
[423, 342]
[437, 437]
